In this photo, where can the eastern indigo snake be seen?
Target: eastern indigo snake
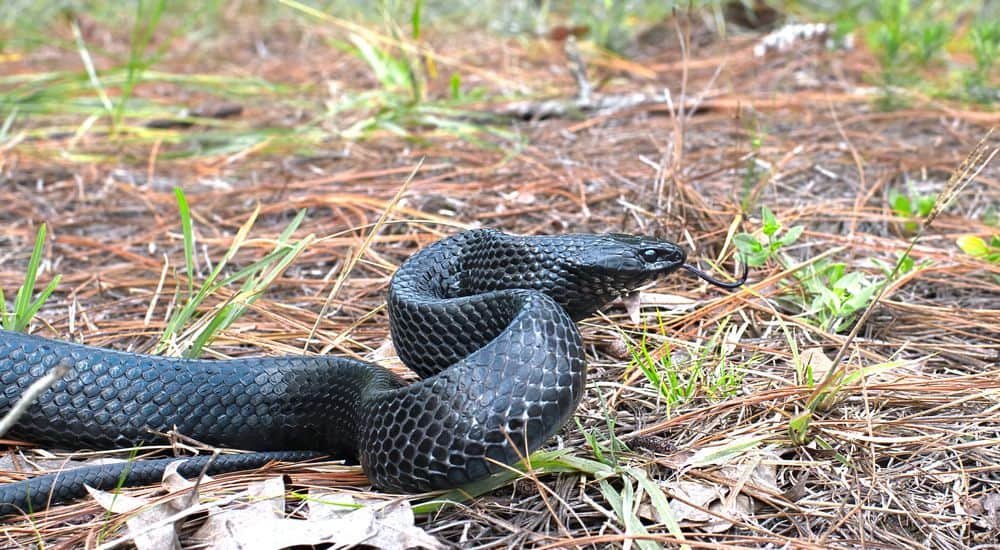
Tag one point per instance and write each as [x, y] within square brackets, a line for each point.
[486, 319]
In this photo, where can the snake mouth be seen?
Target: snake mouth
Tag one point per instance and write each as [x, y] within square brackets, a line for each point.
[721, 284]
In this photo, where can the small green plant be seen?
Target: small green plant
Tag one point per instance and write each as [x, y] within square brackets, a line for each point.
[911, 206]
[752, 172]
[837, 295]
[253, 280]
[400, 106]
[905, 39]
[606, 452]
[832, 296]
[757, 251]
[708, 371]
[19, 318]
[985, 45]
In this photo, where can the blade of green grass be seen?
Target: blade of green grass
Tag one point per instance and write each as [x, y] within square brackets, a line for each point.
[25, 308]
[184, 325]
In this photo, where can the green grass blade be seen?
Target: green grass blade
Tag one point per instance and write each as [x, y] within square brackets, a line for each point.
[22, 303]
[5, 317]
[40, 300]
[188, 232]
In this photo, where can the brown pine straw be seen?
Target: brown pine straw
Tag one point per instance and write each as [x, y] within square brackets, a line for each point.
[903, 458]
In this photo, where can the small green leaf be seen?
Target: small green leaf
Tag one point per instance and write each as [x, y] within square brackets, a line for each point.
[186, 230]
[900, 203]
[771, 224]
[659, 500]
[925, 204]
[5, 317]
[747, 243]
[418, 7]
[849, 282]
[906, 264]
[791, 235]
[858, 300]
[455, 86]
[751, 250]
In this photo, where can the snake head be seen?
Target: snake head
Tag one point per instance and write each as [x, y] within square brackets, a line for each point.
[634, 259]
[606, 266]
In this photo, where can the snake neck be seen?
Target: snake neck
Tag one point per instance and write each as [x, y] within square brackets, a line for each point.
[473, 276]
[581, 272]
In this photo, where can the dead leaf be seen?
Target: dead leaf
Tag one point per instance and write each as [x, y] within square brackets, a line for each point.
[174, 482]
[707, 507]
[156, 538]
[261, 525]
[691, 495]
[991, 507]
[741, 508]
[146, 526]
[763, 473]
[116, 503]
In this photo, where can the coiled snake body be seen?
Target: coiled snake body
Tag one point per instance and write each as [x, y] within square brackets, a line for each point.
[486, 319]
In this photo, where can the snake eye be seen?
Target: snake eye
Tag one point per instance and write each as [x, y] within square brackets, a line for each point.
[650, 254]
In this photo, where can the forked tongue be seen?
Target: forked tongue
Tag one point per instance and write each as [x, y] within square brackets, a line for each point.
[723, 284]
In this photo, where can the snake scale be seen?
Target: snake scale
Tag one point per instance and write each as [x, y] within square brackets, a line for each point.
[486, 319]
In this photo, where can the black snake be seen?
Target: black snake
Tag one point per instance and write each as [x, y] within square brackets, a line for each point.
[485, 318]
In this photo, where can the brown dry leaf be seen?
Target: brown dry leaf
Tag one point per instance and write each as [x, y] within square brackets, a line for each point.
[689, 496]
[761, 474]
[261, 526]
[147, 527]
[174, 482]
[742, 507]
[116, 503]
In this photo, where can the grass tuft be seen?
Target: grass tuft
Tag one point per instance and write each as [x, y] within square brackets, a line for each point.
[187, 332]
[26, 304]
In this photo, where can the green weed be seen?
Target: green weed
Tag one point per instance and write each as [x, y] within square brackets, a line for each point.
[830, 296]
[400, 106]
[707, 371]
[758, 251]
[625, 503]
[915, 43]
[146, 21]
[911, 206]
[836, 294]
[977, 247]
[187, 332]
[606, 452]
[25, 308]
[752, 172]
[980, 82]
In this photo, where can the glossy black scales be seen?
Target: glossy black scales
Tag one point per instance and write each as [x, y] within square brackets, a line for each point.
[485, 318]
